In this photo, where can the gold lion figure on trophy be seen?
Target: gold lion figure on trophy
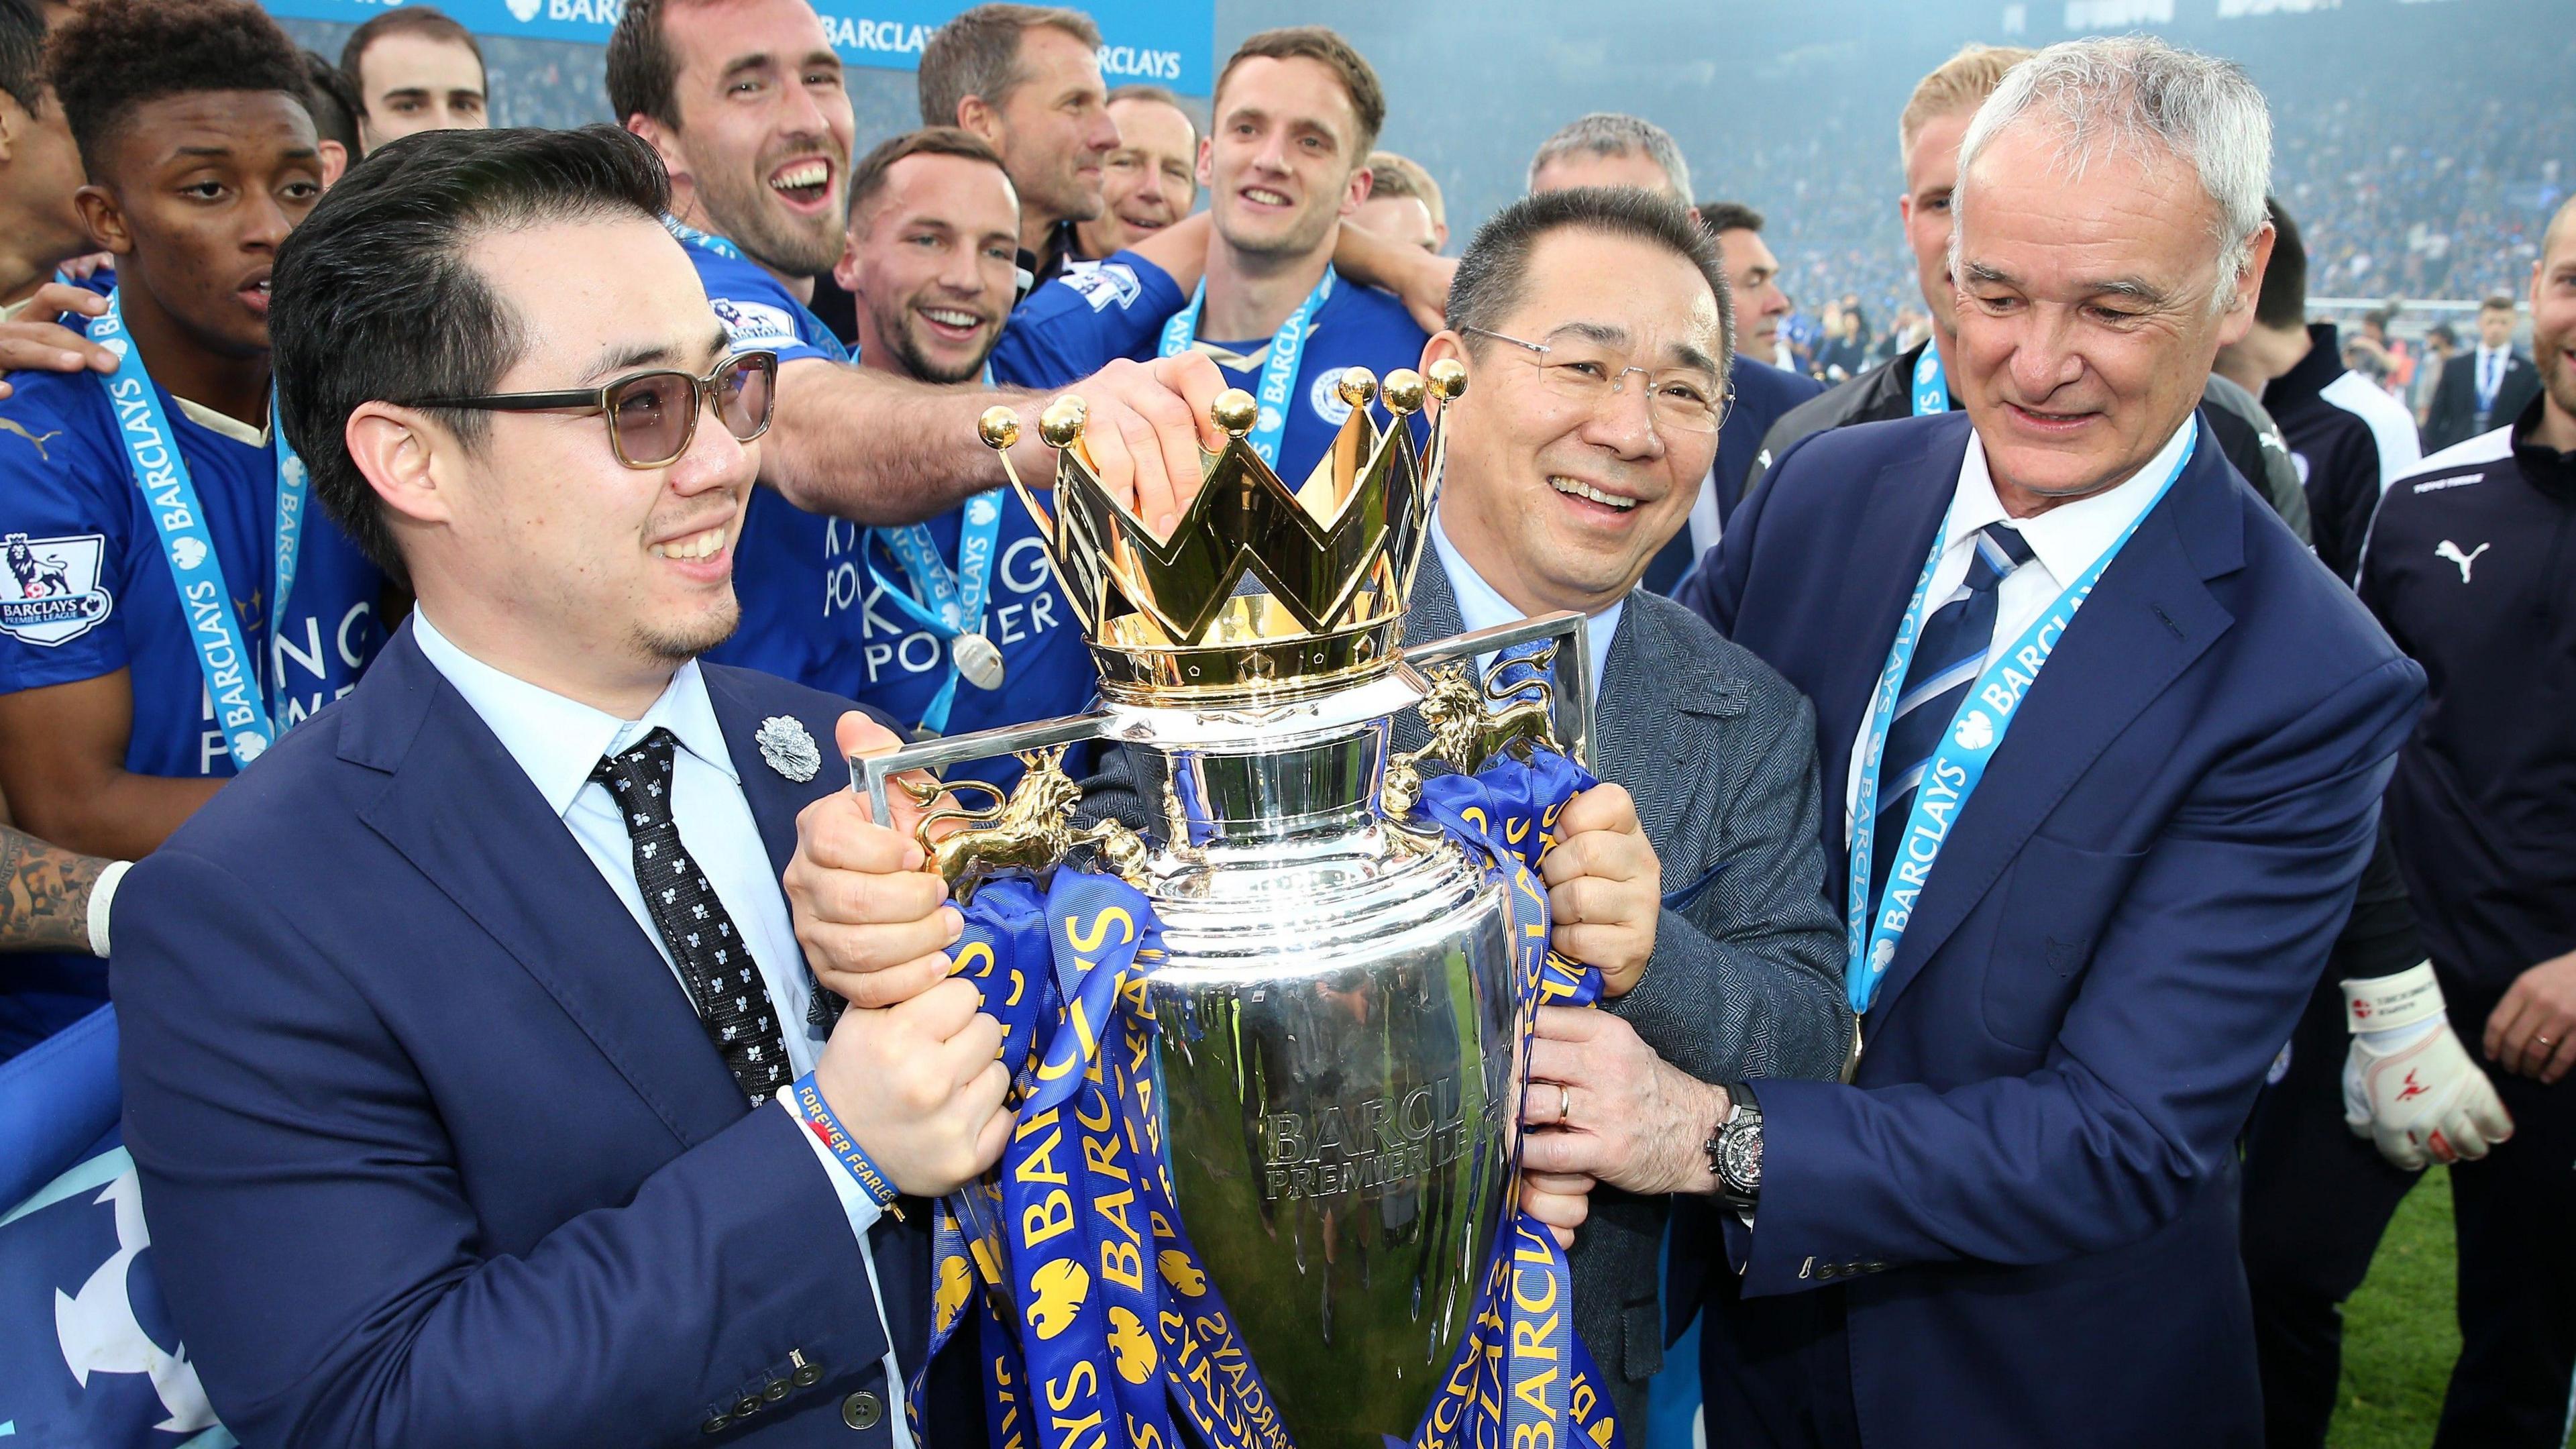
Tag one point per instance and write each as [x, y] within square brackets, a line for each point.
[1029, 829]
[1469, 726]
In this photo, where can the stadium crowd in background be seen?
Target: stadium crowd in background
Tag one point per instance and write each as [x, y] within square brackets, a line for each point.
[751, 436]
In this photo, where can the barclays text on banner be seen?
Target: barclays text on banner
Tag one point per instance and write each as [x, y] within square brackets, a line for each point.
[1143, 40]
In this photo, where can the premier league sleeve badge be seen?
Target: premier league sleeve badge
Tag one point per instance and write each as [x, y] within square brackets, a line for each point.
[788, 747]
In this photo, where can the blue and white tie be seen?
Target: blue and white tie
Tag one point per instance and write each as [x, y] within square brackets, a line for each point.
[1948, 656]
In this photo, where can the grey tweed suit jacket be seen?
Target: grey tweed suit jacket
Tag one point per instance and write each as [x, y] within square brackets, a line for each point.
[1746, 978]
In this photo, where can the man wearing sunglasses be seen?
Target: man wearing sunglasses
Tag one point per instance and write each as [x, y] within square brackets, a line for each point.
[744, 103]
[170, 608]
[487, 1082]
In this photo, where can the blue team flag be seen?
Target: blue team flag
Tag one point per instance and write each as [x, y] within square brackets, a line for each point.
[88, 1356]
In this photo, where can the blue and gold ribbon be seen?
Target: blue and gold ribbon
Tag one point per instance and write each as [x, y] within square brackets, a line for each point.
[1097, 1316]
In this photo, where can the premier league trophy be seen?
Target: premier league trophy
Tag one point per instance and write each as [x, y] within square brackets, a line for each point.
[1327, 1054]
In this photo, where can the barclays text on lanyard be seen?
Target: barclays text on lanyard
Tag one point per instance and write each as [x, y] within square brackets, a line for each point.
[1931, 388]
[950, 602]
[237, 679]
[1278, 370]
[1976, 731]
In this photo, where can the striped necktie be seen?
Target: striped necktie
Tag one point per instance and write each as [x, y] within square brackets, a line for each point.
[1948, 656]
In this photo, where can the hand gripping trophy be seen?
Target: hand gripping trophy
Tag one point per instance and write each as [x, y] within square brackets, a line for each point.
[1268, 1055]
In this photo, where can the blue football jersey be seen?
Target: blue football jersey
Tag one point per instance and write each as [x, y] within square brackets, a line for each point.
[87, 593]
[1083, 321]
[812, 611]
[758, 311]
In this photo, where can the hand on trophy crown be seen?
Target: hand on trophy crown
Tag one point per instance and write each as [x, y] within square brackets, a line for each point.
[1143, 426]
[875, 925]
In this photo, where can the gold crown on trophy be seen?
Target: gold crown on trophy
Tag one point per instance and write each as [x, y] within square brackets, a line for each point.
[1172, 620]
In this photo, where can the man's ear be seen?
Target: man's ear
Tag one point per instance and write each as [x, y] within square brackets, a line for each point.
[1355, 192]
[403, 457]
[2249, 287]
[665, 144]
[103, 218]
[1206, 173]
[13, 124]
[1445, 343]
[981, 118]
[335, 162]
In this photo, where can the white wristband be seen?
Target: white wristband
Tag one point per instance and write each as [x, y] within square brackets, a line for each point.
[2384, 1003]
[101, 893]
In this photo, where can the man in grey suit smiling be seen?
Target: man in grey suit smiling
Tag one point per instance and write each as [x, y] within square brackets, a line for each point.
[1594, 326]
[1596, 330]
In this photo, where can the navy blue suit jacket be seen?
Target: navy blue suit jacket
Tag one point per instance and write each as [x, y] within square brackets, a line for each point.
[1762, 394]
[436, 1150]
[2027, 1198]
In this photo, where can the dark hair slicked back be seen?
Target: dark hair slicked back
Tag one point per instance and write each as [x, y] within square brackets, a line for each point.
[2283, 302]
[115, 55]
[374, 301]
[22, 54]
[427, 21]
[331, 98]
[1495, 268]
[1721, 217]
[643, 74]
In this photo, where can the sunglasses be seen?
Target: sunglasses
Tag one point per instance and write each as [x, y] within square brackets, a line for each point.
[653, 416]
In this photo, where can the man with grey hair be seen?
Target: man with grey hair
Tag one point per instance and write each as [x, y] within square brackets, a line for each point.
[1609, 149]
[2091, 863]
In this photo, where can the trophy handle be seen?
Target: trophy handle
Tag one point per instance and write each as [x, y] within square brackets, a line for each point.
[1569, 694]
[1030, 828]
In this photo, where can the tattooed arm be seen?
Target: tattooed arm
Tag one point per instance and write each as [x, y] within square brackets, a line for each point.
[45, 906]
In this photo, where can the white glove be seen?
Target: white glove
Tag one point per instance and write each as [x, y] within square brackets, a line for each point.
[2408, 1084]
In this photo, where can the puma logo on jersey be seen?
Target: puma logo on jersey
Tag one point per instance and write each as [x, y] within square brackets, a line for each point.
[34, 440]
[2451, 551]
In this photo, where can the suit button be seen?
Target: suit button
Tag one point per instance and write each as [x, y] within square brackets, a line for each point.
[746, 1406]
[808, 1375]
[717, 1424]
[1876, 1267]
[862, 1411]
[1828, 1270]
[776, 1390]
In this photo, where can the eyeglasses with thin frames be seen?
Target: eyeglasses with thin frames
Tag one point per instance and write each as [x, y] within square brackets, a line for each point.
[652, 417]
[1589, 373]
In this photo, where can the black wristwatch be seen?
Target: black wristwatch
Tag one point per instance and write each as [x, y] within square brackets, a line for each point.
[1735, 1150]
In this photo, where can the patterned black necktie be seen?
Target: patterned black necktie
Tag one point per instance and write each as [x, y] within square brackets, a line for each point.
[733, 1002]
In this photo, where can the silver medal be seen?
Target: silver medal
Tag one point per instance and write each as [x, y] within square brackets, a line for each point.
[978, 660]
[789, 748]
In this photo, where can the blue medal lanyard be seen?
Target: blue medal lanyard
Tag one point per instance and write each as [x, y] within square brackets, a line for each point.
[947, 602]
[690, 236]
[1278, 371]
[237, 678]
[1976, 732]
[1931, 389]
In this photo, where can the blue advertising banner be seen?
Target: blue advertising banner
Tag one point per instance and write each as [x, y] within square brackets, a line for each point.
[1169, 42]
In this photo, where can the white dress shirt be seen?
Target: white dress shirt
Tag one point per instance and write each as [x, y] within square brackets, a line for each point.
[558, 741]
[1706, 528]
[2064, 542]
[1480, 607]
